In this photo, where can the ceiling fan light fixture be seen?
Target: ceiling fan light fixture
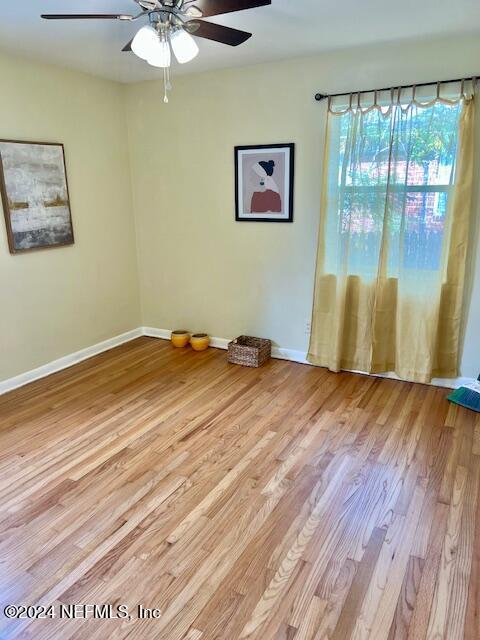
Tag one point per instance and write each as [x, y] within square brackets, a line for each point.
[161, 56]
[194, 12]
[184, 46]
[145, 43]
[171, 24]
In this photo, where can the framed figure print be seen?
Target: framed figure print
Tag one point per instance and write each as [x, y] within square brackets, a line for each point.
[36, 205]
[264, 183]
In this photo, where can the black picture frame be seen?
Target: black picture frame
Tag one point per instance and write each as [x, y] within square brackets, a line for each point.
[287, 215]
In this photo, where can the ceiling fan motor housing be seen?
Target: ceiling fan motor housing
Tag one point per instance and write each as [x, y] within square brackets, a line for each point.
[165, 21]
[173, 4]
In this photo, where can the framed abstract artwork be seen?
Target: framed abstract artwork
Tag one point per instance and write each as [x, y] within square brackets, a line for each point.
[264, 183]
[36, 204]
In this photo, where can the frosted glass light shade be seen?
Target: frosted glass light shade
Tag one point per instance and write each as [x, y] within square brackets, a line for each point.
[161, 56]
[184, 46]
[145, 42]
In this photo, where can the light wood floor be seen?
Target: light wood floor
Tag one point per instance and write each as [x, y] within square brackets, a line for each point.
[285, 503]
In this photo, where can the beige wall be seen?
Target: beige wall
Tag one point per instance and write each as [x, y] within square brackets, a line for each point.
[198, 268]
[57, 301]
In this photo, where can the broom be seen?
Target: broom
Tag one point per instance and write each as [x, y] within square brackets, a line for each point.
[467, 396]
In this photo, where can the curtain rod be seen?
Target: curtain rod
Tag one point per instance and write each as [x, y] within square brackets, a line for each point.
[322, 96]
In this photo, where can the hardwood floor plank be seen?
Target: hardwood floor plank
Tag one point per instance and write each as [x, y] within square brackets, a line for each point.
[418, 626]
[227, 481]
[280, 581]
[280, 503]
[464, 554]
[442, 599]
[407, 599]
[354, 600]
[472, 620]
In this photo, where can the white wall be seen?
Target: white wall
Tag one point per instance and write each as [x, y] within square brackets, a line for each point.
[57, 301]
[201, 270]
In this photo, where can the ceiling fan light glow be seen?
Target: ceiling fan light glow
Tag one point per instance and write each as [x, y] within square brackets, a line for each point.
[161, 56]
[145, 43]
[184, 46]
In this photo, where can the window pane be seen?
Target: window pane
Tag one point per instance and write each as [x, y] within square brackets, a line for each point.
[390, 173]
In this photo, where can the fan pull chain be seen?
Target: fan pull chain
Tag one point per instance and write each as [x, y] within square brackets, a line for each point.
[165, 85]
[169, 84]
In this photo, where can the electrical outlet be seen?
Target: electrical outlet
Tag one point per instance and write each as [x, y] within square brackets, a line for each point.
[308, 327]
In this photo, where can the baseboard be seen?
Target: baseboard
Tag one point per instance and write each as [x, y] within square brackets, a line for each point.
[222, 343]
[151, 332]
[301, 357]
[445, 383]
[67, 361]
[165, 334]
[290, 354]
[218, 343]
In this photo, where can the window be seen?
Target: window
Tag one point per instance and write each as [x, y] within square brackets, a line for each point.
[391, 174]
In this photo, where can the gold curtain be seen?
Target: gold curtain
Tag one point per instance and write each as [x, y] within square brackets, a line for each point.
[395, 215]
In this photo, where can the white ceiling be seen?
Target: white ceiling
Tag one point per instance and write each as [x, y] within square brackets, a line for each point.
[286, 28]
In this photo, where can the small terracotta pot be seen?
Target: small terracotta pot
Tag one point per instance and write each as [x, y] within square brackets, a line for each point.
[200, 341]
[180, 338]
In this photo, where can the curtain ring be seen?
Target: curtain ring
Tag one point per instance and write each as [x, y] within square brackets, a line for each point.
[414, 93]
[350, 102]
[398, 96]
[359, 107]
[375, 104]
[438, 90]
[474, 84]
[462, 89]
[330, 104]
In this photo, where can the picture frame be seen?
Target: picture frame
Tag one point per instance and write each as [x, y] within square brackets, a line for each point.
[264, 183]
[35, 195]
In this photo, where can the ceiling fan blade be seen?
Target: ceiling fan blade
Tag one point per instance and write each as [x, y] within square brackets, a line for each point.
[217, 7]
[217, 32]
[86, 16]
[128, 46]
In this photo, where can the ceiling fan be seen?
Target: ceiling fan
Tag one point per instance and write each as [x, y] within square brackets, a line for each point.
[171, 23]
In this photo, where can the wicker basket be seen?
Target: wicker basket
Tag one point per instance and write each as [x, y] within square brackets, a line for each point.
[249, 352]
